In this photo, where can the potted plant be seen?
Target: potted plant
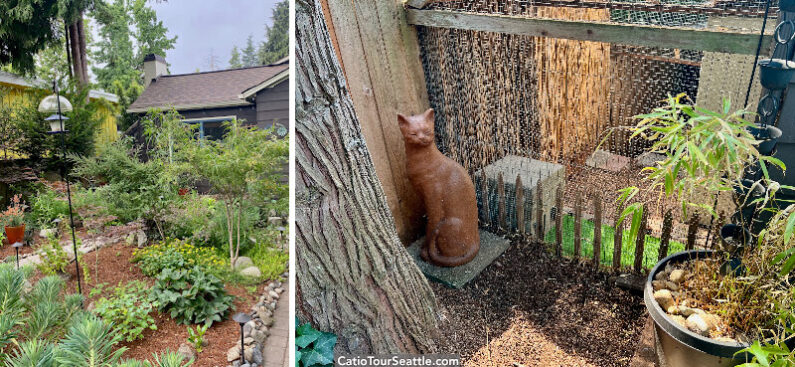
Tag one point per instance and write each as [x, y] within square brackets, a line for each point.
[709, 305]
[13, 219]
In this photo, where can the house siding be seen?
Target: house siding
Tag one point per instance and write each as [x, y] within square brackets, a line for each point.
[273, 105]
[246, 113]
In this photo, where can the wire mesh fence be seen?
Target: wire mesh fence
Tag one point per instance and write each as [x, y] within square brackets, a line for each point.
[555, 114]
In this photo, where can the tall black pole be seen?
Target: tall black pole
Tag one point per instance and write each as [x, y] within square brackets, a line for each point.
[68, 190]
[242, 346]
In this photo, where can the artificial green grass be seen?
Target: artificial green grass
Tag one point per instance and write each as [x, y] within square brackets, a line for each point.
[650, 250]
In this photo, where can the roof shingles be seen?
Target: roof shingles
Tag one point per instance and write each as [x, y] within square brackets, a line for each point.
[206, 89]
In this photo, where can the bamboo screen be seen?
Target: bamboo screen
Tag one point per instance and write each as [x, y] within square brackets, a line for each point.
[498, 96]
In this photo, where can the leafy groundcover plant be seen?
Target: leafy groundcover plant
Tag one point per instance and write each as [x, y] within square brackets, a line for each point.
[313, 348]
[191, 296]
[128, 309]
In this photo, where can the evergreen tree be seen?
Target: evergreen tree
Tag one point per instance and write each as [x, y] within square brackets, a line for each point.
[277, 40]
[30, 26]
[250, 53]
[234, 60]
[128, 31]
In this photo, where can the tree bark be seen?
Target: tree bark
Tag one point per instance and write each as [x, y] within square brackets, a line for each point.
[354, 277]
[77, 45]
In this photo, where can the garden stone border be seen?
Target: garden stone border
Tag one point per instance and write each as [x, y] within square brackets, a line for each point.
[110, 236]
[256, 331]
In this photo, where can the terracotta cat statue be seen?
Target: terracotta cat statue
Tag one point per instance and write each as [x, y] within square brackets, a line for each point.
[452, 237]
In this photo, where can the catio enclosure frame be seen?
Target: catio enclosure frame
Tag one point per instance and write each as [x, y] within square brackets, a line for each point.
[390, 54]
[491, 23]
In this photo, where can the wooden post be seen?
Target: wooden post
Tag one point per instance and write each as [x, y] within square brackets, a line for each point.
[380, 56]
[618, 238]
[577, 224]
[519, 203]
[484, 195]
[597, 228]
[559, 222]
[501, 202]
[665, 238]
[640, 241]
[692, 228]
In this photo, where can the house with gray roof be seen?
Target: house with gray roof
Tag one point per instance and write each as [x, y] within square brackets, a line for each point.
[257, 95]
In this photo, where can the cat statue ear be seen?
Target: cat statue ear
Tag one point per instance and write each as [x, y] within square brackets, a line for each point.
[402, 119]
[430, 114]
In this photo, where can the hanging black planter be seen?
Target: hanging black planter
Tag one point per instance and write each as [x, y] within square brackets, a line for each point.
[768, 136]
[786, 5]
[776, 73]
[734, 237]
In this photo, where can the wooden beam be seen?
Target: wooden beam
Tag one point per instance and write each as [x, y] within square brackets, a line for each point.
[418, 4]
[630, 34]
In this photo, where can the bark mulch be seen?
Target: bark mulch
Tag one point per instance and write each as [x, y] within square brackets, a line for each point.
[112, 265]
[530, 308]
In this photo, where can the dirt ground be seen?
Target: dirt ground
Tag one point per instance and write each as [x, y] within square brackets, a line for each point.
[112, 265]
[529, 308]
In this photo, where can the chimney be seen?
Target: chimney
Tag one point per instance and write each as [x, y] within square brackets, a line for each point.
[154, 66]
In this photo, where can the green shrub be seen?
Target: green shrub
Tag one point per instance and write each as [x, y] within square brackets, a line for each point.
[167, 359]
[46, 207]
[90, 342]
[36, 352]
[128, 309]
[130, 189]
[48, 312]
[180, 255]
[54, 258]
[191, 296]
[270, 261]
[313, 348]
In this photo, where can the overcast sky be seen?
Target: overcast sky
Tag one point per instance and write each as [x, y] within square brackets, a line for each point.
[205, 27]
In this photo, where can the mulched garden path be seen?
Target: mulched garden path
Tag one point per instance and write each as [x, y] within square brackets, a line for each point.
[530, 308]
[112, 265]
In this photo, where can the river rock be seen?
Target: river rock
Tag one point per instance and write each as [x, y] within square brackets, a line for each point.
[679, 320]
[702, 323]
[661, 276]
[677, 276]
[251, 271]
[243, 262]
[233, 353]
[665, 300]
[187, 351]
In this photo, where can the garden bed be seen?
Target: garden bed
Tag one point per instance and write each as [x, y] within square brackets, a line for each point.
[115, 266]
[530, 308]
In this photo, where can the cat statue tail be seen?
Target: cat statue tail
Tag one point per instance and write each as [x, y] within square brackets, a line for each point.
[447, 261]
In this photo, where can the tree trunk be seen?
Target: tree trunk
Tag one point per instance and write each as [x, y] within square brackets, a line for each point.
[354, 277]
[77, 45]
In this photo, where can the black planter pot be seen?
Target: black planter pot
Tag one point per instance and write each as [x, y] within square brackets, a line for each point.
[775, 74]
[786, 5]
[682, 347]
[768, 135]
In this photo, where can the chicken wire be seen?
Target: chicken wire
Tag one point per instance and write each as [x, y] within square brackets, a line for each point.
[557, 101]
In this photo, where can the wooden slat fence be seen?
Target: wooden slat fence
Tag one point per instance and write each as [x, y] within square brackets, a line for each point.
[527, 221]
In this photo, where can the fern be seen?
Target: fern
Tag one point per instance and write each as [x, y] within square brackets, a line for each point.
[89, 343]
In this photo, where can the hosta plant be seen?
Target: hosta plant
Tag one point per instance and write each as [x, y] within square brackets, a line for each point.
[191, 296]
